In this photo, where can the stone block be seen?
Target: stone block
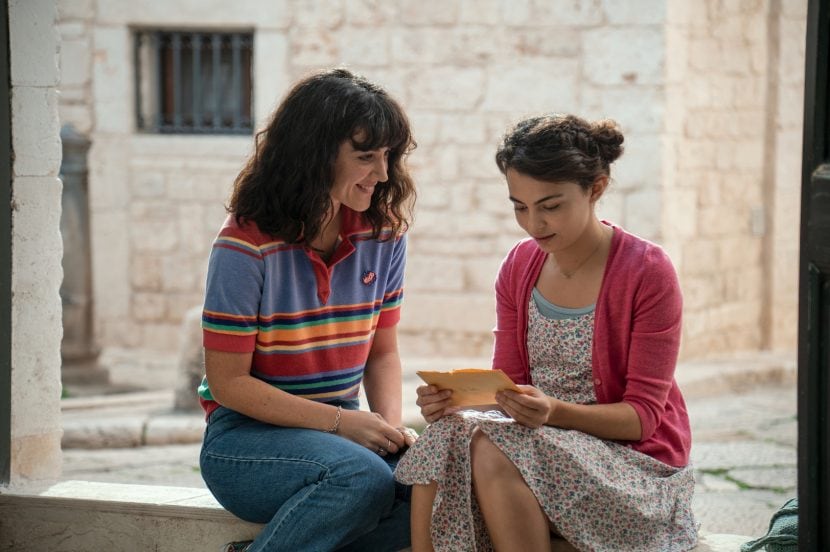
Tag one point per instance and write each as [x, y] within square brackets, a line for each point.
[74, 62]
[443, 243]
[270, 67]
[160, 337]
[356, 46]
[451, 312]
[269, 14]
[310, 15]
[480, 12]
[148, 307]
[33, 41]
[543, 42]
[36, 143]
[178, 276]
[739, 252]
[434, 273]
[612, 206]
[108, 173]
[446, 88]
[427, 129]
[153, 236]
[33, 457]
[427, 12]
[109, 237]
[517, 13]
[71, 30]
[640, 165]
[680, 206]
[313, 47]
[179, 304]
[147, 184]
[492, 198]
[109, 432]
[37, 246]
[112, 84]
[145, 272]
[566, 13]
[622, 12]
[477, 161]
[643, 214]
[164, 430]
[638, 109]
[371, 13]
[623, 56]
[480, 272]
[69, 10]
[190, 219]
[507, 82]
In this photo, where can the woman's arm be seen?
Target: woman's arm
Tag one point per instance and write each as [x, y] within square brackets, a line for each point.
[618, 421]
[382, 377]
[232, 386]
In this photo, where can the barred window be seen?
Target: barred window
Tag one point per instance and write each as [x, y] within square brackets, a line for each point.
[193, 82]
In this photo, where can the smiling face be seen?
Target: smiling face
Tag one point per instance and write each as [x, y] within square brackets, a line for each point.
[356, 173]
[556, 214]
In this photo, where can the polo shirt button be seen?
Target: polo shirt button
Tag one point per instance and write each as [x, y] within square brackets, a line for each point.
[597, 381]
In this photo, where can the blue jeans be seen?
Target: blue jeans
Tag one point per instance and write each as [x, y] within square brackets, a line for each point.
[314, 491]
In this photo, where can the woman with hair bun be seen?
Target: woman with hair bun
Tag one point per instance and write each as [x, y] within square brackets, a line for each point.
[593, 452]
[302, 302]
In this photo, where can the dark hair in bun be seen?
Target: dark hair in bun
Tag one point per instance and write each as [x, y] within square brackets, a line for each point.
[561, 148]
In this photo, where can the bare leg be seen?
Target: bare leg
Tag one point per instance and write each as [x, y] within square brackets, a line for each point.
[511, 512]
[421, 516]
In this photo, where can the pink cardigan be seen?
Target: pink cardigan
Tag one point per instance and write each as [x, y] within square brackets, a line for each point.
[636, 336]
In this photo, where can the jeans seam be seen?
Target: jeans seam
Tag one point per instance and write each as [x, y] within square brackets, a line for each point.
[299, 502]
[270, 459]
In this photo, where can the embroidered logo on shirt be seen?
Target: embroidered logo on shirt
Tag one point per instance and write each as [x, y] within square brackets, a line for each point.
[368, 277]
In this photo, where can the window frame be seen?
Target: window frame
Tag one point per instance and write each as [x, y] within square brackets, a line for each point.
[164, 69]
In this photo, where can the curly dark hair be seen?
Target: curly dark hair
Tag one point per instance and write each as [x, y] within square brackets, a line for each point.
[285, 186]
[561, 148]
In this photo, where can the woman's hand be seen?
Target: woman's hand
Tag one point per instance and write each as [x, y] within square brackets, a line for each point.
[531, 407]
[370, 430]
[434, 402]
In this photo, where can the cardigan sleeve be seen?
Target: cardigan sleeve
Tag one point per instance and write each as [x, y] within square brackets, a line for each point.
[506, 350]
[655, 340]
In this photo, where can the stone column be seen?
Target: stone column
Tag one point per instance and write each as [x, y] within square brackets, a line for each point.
[79, 352]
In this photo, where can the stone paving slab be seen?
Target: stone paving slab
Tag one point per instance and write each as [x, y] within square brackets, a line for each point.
[740, 454]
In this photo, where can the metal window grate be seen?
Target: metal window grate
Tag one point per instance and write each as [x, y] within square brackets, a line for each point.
[193, 82]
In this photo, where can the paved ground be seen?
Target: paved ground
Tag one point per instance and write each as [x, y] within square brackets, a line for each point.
[744, 431]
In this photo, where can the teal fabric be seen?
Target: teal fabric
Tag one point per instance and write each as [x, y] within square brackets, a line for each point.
[782, 535]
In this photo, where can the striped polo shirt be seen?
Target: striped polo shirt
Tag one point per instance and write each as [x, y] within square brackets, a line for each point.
[309, 324]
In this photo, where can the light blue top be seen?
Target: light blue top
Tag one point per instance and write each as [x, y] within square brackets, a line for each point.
[555, 312]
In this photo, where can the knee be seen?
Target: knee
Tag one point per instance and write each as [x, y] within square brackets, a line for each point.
[488, 462]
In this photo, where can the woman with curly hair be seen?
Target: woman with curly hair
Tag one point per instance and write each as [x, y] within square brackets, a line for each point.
[303, 295]
[594, 449]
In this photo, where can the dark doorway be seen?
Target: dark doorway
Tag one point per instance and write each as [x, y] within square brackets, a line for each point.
[814, 291]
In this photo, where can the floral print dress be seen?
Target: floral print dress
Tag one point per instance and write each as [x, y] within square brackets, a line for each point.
[599, 495]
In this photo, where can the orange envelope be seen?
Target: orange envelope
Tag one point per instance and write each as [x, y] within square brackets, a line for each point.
[470, 386]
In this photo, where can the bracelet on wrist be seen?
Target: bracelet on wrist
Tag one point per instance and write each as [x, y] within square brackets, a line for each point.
[336, 426]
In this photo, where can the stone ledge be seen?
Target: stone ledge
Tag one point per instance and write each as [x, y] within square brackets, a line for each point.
[78, 516]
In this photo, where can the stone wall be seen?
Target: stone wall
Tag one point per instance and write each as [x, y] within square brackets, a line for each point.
[688, 83]
[731, 183]
[36, 243]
